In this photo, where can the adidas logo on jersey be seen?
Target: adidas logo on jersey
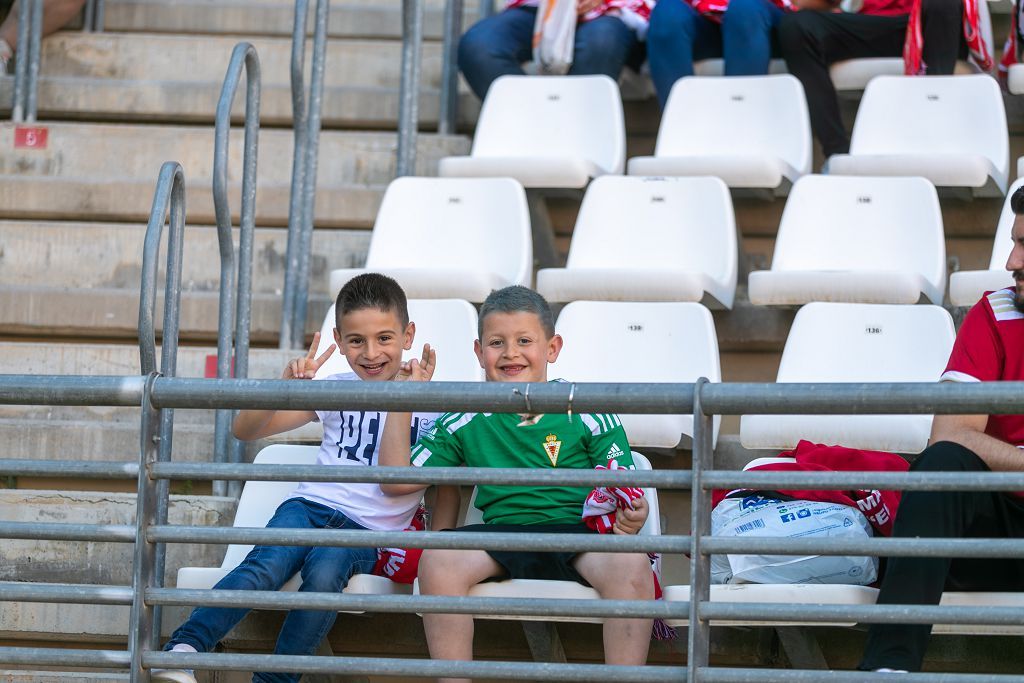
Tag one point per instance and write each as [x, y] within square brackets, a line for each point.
[614, 452]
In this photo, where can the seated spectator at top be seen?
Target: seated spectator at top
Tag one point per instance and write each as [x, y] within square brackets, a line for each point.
[608, 36]
[56, 13]
[811, 41]
[989, 347]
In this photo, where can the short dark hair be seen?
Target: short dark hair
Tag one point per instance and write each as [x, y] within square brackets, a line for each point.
[1017, 201]
[517, 299]
[371, 290]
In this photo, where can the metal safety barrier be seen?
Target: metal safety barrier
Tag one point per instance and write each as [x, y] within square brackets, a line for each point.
[244, 55]
[26, 63]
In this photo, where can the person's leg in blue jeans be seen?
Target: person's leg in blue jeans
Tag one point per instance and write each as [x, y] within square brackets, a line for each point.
[268, 568]
[748, 36]
[602, 47]
[496, 46]
[677, 37]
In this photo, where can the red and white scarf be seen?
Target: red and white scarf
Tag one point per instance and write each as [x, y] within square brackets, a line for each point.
[401, 564]
[980, 51]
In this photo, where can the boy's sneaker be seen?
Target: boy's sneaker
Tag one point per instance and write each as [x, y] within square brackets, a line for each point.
[173, 675]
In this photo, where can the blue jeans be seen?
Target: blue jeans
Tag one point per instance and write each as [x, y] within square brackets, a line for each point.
[500, 44]
[678, 36]
[324, 569]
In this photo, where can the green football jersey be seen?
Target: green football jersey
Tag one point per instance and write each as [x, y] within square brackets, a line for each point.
[506, 440]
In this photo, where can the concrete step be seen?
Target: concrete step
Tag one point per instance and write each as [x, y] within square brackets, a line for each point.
[177, 78]
[11, 676]
[93, 562]
[347, 18]
[109, 171]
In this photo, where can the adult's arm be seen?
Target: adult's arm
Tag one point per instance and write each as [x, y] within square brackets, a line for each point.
[969, 432]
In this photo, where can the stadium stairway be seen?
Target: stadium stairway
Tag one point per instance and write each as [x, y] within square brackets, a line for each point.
[72, 216]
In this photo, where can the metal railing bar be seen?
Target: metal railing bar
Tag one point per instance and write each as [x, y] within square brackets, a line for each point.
[446, 475]
[734, 675]
[21, 63]
[58, 656]
[310, 157]
[880, 547]
[448, 112]
[990, 398]
[147, 557]
[32, 51]
[352, 538]
[453, 396]
[243, 56]
[409, 87]
[424, 604]
[46, 531]
[69, 469]
[65, 593]
[71, 390]
[909, 481]
[538, 671]
[699, 630]
[862, 614]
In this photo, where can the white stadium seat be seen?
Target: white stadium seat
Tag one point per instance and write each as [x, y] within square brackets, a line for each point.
[869, 240]
[640, 342]
[967, 286]
[448, 325]
[549, 132]
[256, 506]
[950, 129]
[835, 342]
[447, 238]
[750, 131]
[538, 588]
[1015, 81]
[855, 74]
[650, 239]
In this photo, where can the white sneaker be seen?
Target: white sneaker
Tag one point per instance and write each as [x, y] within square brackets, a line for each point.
[173, 675]
[891, 671]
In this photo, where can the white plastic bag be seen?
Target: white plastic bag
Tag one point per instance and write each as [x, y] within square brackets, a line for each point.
[554, 36]
[757, 516]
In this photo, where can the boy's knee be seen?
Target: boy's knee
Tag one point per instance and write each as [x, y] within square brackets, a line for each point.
[671, 23]
[607, 38]
[440, 569]
[625, 575]
[947, 456]
[744, 14]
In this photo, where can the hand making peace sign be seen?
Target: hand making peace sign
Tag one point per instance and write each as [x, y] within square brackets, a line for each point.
[306, 366]
[418, 370]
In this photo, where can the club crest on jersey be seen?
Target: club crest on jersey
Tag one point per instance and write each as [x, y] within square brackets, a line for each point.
[551, 446]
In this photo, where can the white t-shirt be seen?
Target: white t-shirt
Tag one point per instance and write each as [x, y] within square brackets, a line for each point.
[352, 439]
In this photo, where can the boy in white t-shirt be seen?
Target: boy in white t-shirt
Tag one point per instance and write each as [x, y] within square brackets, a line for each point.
[372, 330]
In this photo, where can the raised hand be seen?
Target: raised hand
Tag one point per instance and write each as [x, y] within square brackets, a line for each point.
[418, 370]
[631, 520]
[304, 367]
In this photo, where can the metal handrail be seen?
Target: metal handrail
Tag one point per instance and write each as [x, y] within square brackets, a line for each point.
[92, 17]
[244, 55]
[26, 65]
[447, 117]
[302, 203]
[409, 87]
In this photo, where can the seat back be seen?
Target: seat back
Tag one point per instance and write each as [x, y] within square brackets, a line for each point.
[260, 499]
[554, 116]
[936, 115]
[1003, 243]
[448, 325]
[737, 115]
[454, 223]
[652, 527]
[673, 223]
[840, 342]
[640, 342]
[863, 223]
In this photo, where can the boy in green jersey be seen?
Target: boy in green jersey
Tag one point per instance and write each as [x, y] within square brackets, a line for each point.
[517, 341]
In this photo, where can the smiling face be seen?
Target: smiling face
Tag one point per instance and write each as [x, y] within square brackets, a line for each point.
[372, 341]
[514, 348]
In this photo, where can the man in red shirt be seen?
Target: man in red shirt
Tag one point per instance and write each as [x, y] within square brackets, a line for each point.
[810, 41]
[989, 347]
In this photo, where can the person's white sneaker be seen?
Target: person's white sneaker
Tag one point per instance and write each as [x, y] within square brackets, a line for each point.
[891, 671]
[175, 675]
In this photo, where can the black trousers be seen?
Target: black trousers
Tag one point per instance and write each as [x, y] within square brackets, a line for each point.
[921, 580]
[811, 41]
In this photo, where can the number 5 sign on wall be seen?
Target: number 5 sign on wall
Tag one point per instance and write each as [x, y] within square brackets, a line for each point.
[30, 137]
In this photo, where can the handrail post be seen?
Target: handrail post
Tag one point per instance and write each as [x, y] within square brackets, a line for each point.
[32, 50]
[409, 89]
[305, 237]
[21, 65]
[448, 113]
[158, 424]
[298, 169]
[699, 635]
[228, 449]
